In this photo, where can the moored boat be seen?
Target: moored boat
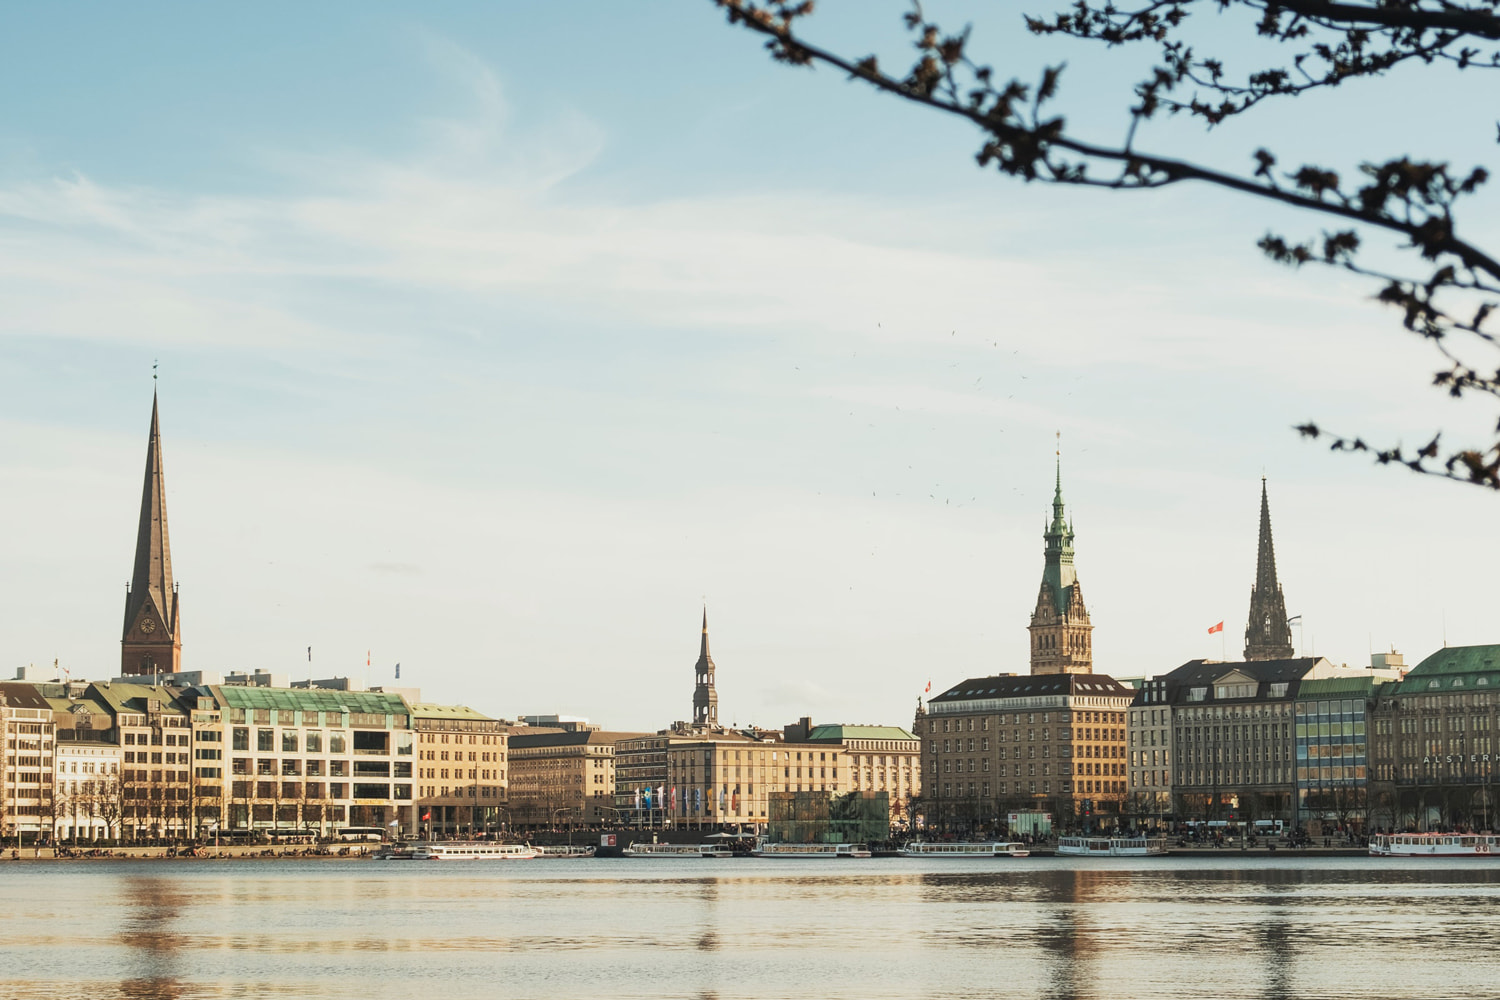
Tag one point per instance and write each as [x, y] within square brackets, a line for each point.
[649, 850]
[566, 851]
[963, 849]
[1111, 847]
[811, 851]
[1435, 845]
[479, 851]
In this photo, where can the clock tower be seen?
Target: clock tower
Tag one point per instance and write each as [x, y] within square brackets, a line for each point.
[152, 639]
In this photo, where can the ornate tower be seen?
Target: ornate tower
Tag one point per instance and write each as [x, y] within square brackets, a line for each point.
[1267, 634]
[1061, 636]
[705, 698]
[152, 640]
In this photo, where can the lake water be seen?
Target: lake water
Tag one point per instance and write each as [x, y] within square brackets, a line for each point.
[1053, 928]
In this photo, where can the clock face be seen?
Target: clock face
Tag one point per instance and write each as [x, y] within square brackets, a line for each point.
[147, 625]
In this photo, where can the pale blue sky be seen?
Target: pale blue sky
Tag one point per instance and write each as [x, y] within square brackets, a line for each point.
[493, 338]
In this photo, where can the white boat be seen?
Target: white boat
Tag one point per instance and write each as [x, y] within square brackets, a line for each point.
[1111, 847]
[717, 849]
[480, 851]
[566, 851]
[811, 851]
[1435, 845]
[648, 850]
[995, 849]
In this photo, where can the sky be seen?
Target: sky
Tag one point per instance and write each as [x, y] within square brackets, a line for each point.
[496, 340]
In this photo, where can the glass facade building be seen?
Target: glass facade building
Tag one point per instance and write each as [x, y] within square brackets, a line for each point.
[1332, 751]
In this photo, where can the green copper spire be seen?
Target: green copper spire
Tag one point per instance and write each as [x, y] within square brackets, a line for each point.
[1059, 537]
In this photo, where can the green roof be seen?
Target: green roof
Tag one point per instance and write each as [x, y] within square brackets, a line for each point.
[311, 700]
[1336, 687]
[1459, 660]
[427, 710]
[840, 732]
[1454, 668]
[124, 697]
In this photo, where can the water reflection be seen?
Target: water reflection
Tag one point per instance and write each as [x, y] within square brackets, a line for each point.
[856, 931]
[150, 937]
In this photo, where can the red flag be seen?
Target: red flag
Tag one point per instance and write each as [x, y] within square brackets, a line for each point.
[929, 688]
[1216, 628]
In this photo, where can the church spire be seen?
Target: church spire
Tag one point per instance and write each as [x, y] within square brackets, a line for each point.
[151, 642]
[1267, 634]
[1061, 636]
[705, 698]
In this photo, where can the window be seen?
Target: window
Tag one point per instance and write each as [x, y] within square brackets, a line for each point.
[336, 743]
[265, 739]
[289, 741]
[241, 739]
[313, 742]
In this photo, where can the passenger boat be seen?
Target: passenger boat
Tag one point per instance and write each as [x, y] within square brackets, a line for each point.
[566, 851]
[481, 851]
[1435, 845]
[1111, 847]
[718, 849]
[811, 851]
[648, 850]
[996, 849]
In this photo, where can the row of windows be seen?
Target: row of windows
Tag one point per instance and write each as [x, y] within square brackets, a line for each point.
[1026, 719]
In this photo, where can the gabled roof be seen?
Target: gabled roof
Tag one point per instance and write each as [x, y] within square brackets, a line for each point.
[123, 697]
[834, 732]
[1031, 686]
[19, 694]
[1205, 673]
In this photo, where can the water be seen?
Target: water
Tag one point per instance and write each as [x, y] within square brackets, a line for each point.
[752, 928]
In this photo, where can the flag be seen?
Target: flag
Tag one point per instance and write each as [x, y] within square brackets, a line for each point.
[1216, 628]
[427, 816]
[398, 671]
[309, 654]
[929, 688]
[637, 799]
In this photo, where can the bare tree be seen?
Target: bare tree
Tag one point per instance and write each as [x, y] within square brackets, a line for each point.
[1445, 294]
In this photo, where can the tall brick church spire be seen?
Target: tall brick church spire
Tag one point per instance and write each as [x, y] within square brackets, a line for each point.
[1267, 634]
[1061, 636]
[152, 642]
[705, 698]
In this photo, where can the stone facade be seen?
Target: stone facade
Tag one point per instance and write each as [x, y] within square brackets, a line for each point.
[1061, 636]
[460, 773]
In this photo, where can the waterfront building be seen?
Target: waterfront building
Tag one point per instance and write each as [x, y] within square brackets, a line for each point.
[1268, 633]
[1053, 741]
[152, 639]
[88, 760]
[310, 759]
[641, 763]
[879, 759]
[1232, 736]
[1149, 737]
[461, 771]
[27, 739]
[1004, 744]
[1432, 751]
[727, 777]
[1331, 734]
[156, 795]
[563, 778]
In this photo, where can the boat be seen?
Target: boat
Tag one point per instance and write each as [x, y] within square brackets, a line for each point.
[481, 851]
[1435, 845]
[650, 850]
[811, 851]
[964, 849]
[718, 849]
[1111, 847]
[566, 851]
